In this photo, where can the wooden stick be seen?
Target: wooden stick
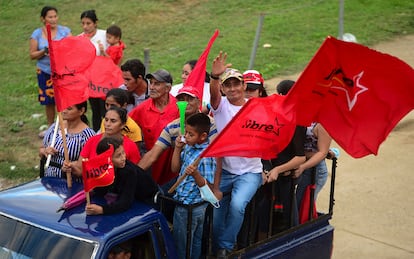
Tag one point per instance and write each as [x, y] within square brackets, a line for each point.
[88, 198]
[65, 149]
[182, 177]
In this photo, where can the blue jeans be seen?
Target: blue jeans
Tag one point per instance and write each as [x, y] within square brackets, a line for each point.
[321, 177]
[227, 219]
[180, 230]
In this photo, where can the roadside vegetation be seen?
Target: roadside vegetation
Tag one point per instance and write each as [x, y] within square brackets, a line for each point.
[175, 31]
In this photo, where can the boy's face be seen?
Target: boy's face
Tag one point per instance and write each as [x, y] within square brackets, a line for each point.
[192, 137]
[111, 39]
[119, 157]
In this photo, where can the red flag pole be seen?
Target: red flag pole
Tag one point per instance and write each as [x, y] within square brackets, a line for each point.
[62, 130]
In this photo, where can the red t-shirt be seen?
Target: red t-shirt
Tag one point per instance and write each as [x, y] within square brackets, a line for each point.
[116, 52]
[152, 122]
[131, 149]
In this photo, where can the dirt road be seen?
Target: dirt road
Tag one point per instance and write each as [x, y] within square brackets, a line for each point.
[374, 196]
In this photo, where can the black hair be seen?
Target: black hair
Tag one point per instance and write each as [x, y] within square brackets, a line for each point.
[200, 121]
[120, 95]
[123, 114]
[89, 14]
[114, 30]
[83, 117]
[135, 67]
[284, 86]
[105, 143]
[192, 64]
[46, 9]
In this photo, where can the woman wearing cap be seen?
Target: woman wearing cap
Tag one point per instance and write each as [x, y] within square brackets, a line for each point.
[254, 84]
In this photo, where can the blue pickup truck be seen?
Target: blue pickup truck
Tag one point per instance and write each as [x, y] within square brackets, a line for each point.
[30, 227]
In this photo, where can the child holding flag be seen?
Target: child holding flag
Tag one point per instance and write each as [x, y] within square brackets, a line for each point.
[185, 159]
[124, 189]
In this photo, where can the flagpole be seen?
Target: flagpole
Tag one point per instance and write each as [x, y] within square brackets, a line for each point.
[65, 149]
[52, 143]
[62, 130]
[88, 198]
[182, 177]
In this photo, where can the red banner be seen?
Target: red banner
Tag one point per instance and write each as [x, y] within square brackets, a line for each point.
[262, 128]
[103, 75]
[69, 58]
[98, 171]
[356, 93]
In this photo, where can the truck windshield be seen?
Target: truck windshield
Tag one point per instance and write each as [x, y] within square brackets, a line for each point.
[20, 240]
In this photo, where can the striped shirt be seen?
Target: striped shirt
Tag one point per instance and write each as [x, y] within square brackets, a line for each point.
[187, 191]
[172, 131]
[75, 143]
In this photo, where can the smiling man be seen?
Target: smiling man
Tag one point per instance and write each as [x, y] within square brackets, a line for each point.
[153, 115]
[240, 177]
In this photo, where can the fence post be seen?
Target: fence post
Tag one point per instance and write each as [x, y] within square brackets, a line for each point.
[147, 60]
[256, 41]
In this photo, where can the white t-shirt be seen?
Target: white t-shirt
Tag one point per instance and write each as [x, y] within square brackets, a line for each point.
[206, 92]
[99, 37]
[235, 165]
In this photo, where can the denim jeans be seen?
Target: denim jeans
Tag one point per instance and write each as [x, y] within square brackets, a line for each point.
[227, 219]
[321, 177]
[180, 230]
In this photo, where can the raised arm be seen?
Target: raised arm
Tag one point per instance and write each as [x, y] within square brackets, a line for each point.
[218, 68]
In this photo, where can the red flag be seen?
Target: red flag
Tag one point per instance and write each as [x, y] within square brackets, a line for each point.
[196, 77]
[262, 128]
[305, 205]
[69, 58]
[99, 170]
[103, 75]
[356, 93]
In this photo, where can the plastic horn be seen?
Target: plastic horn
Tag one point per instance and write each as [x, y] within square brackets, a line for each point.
[182, 105]
[52, 144]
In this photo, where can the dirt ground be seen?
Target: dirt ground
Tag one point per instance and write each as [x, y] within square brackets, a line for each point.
[374, 196]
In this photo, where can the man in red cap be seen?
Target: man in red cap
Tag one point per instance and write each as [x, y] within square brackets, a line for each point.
[171, 131]
[153, 115]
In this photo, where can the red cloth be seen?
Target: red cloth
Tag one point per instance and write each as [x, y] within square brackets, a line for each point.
[197, 76]
[305, 205]
[103, 75]
[356, 93]
[69, 58]
[98, 171]
[262, 128]
[116, 52]
[131, 149]
[152, 122]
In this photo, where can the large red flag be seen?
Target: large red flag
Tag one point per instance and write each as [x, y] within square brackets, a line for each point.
[356, 93]
[262, 128]
[69, 58]
[196, 77]
[103, 75]
[98, 171]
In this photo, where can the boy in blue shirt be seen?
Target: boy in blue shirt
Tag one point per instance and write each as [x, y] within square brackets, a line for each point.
[184, 160]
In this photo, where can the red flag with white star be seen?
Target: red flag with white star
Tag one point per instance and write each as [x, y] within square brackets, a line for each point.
[262, 128]
[99, 170]
[357, 94]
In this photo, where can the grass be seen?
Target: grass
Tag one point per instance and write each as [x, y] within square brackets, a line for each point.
[176, 31]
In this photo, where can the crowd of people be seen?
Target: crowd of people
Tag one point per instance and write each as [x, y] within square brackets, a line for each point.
[140, 119]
